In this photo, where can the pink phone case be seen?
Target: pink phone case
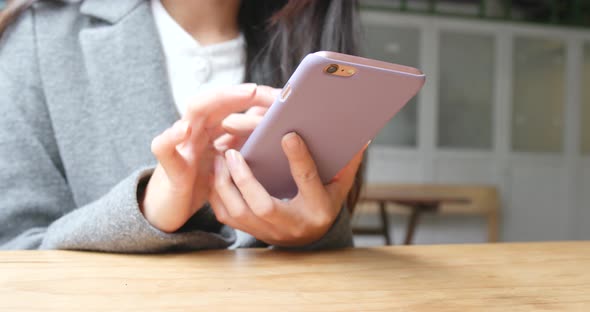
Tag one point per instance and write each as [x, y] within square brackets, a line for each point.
[336, 116]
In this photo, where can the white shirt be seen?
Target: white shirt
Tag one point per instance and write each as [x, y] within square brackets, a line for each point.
[192, 68]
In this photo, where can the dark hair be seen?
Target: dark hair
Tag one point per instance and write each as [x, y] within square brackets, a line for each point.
[279, 33]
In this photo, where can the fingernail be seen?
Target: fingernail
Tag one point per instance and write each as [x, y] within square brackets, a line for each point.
[291, 141]
[233, 159]
[245, 89]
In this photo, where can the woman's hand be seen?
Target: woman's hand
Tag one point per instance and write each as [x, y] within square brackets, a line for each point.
[241, 202]
[238, 127]
[179, 186]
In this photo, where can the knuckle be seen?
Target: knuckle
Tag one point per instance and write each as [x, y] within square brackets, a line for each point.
[276, 236]
[196, 106]
[220, 183]
[298, 232]
[201, 105]
[222, 217]
[241, 180]
[156, 145]
[280, 237]
[322, 220]
[197, 111]
[307, 175]
[265, 210]
[238, 212]
[218, 94]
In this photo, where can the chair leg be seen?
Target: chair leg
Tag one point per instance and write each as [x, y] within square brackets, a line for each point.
[385, 222]
[412, 224]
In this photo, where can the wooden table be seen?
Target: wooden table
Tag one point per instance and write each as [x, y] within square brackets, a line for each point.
[431, 198]
[493, 277]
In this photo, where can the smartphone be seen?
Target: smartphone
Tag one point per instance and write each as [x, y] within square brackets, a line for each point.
[337, 103]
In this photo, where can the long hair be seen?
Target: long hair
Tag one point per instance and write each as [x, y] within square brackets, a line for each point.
[279, 33]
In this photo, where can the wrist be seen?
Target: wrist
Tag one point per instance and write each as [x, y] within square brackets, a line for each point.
[163, 207]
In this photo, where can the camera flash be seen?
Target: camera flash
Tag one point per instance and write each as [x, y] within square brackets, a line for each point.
[340, 70]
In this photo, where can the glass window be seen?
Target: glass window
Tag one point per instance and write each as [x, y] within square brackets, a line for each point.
[396, 45]
[466, 90]
[586, 102]
[538, 95]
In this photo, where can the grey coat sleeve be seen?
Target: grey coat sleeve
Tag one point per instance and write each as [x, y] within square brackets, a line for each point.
[37, 209]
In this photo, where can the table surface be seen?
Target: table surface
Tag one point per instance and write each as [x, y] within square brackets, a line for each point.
[495, 277]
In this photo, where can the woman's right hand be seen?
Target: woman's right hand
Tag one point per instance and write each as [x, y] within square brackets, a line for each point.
[179, 186]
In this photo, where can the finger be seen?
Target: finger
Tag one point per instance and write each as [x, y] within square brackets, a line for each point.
[215, 106]
[226, 189]
[218, 104]
[303, 168]
[254, 194]
[343, 181]
[225, 142]
[238, 128]
[196, 145]
[267, 95]
[241, 124]
[257, 110]
[202, 185]
[358, 154]
[237, 208]
[229, 141]
[238, 123]
[219, 209]
[267, 235]
[216, 131]
[165, 145]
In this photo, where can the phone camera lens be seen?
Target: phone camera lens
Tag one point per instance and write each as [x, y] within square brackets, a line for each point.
[332, 69]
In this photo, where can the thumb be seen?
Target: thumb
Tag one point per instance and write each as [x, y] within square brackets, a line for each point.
[303, 168]
[164, 148]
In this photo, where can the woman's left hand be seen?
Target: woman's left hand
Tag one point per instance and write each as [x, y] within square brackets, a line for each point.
[241, 202]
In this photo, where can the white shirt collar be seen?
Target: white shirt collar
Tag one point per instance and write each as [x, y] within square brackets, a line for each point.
[193, 68]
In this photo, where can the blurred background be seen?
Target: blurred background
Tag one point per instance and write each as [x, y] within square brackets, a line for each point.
[496, 146]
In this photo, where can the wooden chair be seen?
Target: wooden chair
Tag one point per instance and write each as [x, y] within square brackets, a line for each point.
[417, 199]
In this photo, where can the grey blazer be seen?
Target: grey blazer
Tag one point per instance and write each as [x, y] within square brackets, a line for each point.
[83, 90]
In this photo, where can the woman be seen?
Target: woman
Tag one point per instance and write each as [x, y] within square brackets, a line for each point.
[86, 87]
